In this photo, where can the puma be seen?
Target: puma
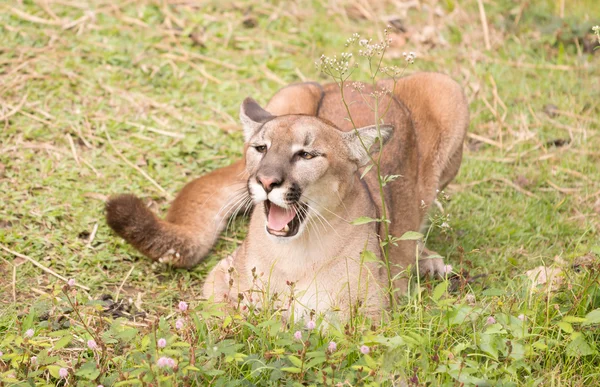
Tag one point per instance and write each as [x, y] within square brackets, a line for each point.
[301, 175]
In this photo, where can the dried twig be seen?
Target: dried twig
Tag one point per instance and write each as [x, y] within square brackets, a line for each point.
[123, 283]
[516, 187]
[154, 130]
[92, 235]
[14, 109]
[132, 165]
[39, 265]
[484, 25]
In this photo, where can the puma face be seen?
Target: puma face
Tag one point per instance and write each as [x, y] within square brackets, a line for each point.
[300, 167]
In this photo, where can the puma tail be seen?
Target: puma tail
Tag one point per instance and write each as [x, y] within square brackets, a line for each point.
[158, 239]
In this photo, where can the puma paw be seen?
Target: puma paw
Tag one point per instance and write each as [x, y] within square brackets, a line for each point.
[434, 267]
[225, 266]
[170, 257]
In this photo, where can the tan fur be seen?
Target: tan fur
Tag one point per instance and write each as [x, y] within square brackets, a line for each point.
[429, 114]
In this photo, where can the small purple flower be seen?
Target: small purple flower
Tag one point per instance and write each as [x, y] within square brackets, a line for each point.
[311, 325]
[490, 320]
[332, 347]
[179, 324]
[71, 282]
[521, 317]
[63, 373]
[166, 362]
[183, 306]
[365, 350]
[91, 343]
[162, 343]
[298, 335]
[1, 354]
[33, 360]
[29, 333]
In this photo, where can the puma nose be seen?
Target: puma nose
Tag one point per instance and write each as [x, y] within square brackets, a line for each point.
[269, 182]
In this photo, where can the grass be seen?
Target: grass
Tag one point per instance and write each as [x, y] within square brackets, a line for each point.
[85, 86]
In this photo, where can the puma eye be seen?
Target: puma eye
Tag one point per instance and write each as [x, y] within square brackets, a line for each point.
[261, 148]
[306, 155]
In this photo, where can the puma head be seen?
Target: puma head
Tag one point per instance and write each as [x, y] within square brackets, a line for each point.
[301, 167]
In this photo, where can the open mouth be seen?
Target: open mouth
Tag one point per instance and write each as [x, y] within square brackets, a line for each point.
[282, 222]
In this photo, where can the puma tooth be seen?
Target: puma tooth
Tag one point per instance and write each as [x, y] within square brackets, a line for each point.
[286, 228]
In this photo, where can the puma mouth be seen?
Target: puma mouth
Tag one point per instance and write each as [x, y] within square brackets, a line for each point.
[282, 222]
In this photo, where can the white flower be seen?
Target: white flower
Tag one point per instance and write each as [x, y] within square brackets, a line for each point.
[29, 333]
[33, 359]
[521, 317]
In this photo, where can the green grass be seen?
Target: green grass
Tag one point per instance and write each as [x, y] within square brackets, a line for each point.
[87, 72]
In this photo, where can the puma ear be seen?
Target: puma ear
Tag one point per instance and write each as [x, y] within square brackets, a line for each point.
[252, 117]
[369, 136]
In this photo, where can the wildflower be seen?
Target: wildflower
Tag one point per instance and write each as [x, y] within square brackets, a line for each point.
[91, 343]
[332, 347]
[410, 57]
[298, 335]
[99, 385]
[183, 306]
[71, 282]
[63, 373]
[311, 325]
[365, 350]
[162, 343]
[1, 354]
[596, 30]
[470, 298]
[179, 324]
[166, 362]
[29, 333]
[490, 320]
[33, 360]
[521, 317]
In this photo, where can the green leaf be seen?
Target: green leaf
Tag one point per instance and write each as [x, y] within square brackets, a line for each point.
[439, 291]
[370, 362]
[295, 361]
[292, 370]
[593, 317]
[315, 361]
[573, 319]
[368, 256]
[579, 346]
[493, 292]
[88, 371]
[128, 382]
[362, 220]
[63, 342]
[127, 334]
[53, 369]
[411, 236]
[366, 170]
[565, 326]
